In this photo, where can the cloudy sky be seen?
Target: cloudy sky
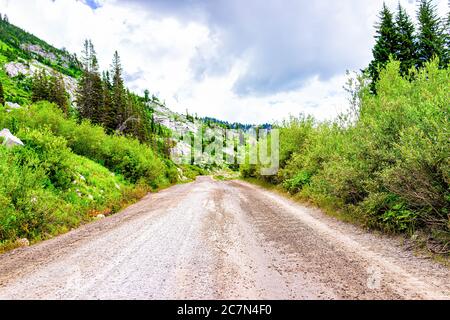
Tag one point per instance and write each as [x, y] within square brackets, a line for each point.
[251, 61]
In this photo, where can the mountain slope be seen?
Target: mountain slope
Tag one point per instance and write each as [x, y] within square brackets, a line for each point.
[69, 171]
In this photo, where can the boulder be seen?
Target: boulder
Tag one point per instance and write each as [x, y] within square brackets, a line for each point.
[9, 139]
[11, 106]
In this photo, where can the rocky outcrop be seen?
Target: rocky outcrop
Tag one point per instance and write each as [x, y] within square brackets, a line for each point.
[14, 69]
[36, 49]
[9, 139]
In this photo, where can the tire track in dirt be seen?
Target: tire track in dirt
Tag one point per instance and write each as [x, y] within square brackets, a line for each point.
[219, 240]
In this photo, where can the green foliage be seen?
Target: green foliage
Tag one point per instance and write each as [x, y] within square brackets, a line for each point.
[61, 178]
[107, 102]
[390, 168]
[431, 38]
[406, 50]
[17, 89]
[294, 135]
[386, 42]
[18, 42]
[191, 171]
[296, 183]
[70, 169]
[396, 38]
[42, 192]
[248, 171]
[90, 92]
[50, 88]
[122, 155]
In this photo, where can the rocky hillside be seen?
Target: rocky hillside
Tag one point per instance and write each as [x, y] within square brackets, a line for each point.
[22, 55]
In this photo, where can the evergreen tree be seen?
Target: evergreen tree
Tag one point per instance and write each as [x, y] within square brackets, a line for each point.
[84, 84]
[96, 93]
[41, 86]
[118, 114]
[108, 112]
[2, 95]
[406, 48]
[431, 37]
[386, 44]
[58, 94]
[50, 88]
[90, 86]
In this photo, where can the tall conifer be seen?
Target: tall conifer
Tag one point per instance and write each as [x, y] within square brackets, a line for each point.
[406, 47]
[431, 39]
[386, 43]
[118, 93]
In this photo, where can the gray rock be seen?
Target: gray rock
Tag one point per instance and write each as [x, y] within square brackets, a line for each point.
[9, 139]
[13, 69]
[39, 51]
[12, 106]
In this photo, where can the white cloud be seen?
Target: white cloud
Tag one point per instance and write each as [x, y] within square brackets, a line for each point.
[170, 56]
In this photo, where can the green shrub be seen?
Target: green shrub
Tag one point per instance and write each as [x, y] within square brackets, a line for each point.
[390, 167]
[295, 184]
[122, 155]
[60, 178]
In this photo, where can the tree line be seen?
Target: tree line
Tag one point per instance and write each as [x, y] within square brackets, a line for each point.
[101, 97]
[50, 87]
[398, 37]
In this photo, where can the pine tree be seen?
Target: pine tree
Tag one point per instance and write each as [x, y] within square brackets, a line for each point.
[58, 94]
[41, 86]
[118, 94]
[50, 88]
[406, 48]
[83, 98]
[108, 112]
[386, 44]
[97, 113]
[2, 95]
[431, 37]
[90, 87]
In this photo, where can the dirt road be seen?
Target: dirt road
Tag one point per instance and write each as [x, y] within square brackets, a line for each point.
[219, 240]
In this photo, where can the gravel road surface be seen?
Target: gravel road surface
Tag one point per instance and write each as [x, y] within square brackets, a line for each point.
[220, 240]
